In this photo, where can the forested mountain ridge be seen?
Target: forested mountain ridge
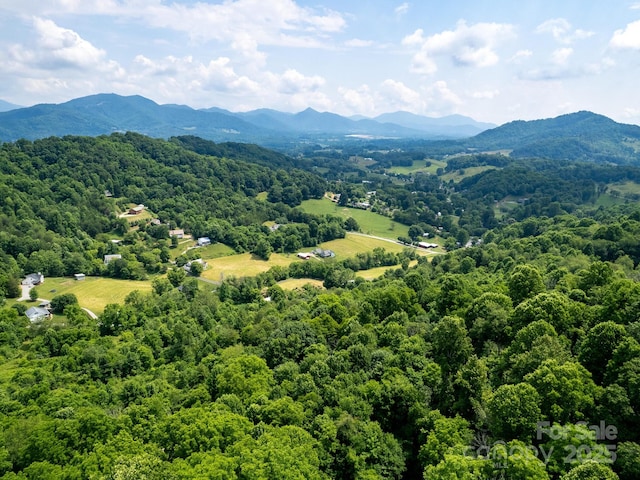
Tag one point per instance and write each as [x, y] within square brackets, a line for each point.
[582, 136]
[468, 366]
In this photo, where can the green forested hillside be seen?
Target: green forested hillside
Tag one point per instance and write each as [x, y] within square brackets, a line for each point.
[514, 355]
[61, 200]
[582, 136]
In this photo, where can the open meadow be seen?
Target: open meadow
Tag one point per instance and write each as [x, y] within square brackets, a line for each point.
[93, 293]
[419, 166]
[370, 223]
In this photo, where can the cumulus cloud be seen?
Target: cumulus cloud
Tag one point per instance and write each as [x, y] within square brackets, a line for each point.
[562, 31]
[359, 100]
[467, 45]
[64, 48]
[629, 38]
[293, 82]
[400, 96]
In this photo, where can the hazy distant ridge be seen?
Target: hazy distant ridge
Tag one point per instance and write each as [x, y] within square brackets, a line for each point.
[106, 113]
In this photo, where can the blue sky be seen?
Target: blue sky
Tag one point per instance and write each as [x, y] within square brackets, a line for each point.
[495, 61]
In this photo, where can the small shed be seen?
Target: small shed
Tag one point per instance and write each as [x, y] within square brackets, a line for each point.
[109, 258]
[203, 241]
[79, 276]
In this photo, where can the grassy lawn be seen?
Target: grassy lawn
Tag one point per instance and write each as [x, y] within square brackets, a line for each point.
[293, 283]
[606, 200]
[456, 176]
[624, 188]
[419, 166]
[370, 223]
[93, 293]
[244, 265]
[353, 244]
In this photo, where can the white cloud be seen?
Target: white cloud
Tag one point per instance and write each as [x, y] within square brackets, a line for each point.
[358, 43]
[248, 24]
[401, 9]
[629, 38]
[561, 56]
[360, 100]
[485, 94]
[294, 82]
[520, 55]
[562, 31]
[467, 45]
[398, 96]
[60, 47]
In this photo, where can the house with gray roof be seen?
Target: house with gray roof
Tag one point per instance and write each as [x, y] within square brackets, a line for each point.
[37, 314]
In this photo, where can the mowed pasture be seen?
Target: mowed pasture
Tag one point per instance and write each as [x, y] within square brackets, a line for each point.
[370, 223]
[353, 244]
[243, 265]
[296, 283]
[419, 166]
[248, 265]
[93, 293]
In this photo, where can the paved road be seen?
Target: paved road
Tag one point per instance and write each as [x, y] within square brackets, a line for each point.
[25, 292]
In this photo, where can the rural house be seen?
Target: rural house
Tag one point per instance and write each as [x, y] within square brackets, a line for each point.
[37, 314]
[136, 210]
[33, 279]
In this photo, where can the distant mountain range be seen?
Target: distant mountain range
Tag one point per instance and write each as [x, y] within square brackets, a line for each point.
[107, 113]
[577, 136]
[6, 106]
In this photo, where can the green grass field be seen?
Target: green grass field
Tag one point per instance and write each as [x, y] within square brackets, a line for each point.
[244, 265]
[93, 293]
[456, 176]
[354, 244]
[294, 283]
[625, 188]
[370, 223]
[419, 166]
